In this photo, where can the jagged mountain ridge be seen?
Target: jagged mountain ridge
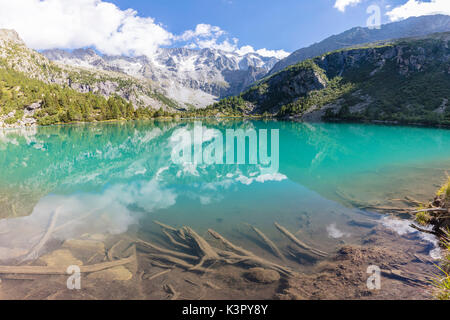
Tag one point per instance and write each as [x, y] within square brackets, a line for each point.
[190, 77]
[412, 27]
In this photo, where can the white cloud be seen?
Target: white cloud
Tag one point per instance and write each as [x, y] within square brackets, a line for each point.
[280, 54]
[213, 37]
[202, 31]
[414, 8]
[341, 5]
[70, 24]
[226, 45]
[245, 50]
[51, 24]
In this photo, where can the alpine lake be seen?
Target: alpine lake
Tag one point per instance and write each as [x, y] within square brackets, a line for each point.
[109, 200]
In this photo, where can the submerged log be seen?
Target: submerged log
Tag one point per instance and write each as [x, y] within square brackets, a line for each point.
[157, 275]
[164, 226]
[211, 285]
[179, 233]
[431, 210]
[410, 277]
[175, 242]
[179, 263]
[384, 208]
[229, 245]
[247, 257]
[352, 201]
[149, 247]
[206, 252]
[161, 265]
[269, 243]
[301, 256]
[175, 261]
[43, 270]
[413, 201]
[434, 233]
[170, 290]
[34, 252]
[301, 244]
[110, 253]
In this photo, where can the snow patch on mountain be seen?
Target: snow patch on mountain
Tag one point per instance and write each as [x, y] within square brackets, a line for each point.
[189, 76]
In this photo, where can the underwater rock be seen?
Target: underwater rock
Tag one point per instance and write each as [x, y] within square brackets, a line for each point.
[60, 258]
[85, 249]
[261, 275]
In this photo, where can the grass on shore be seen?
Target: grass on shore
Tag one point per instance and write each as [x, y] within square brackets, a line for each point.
[445, 191]
[442, 283]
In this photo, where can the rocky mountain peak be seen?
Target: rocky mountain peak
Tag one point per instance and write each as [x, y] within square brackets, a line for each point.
[11, 36]
[82, 53]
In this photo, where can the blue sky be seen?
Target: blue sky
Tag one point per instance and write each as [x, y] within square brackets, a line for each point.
[282, 24]
[138, 27]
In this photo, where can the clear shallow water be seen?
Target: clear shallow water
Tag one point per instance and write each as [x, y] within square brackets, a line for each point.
[118, 178]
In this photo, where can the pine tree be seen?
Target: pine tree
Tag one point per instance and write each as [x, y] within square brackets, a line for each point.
[130, 111]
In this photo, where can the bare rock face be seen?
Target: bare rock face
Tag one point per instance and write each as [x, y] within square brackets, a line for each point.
[34, 106]
[303, 83]
[286, 87]
[263, 276]
[10, 36]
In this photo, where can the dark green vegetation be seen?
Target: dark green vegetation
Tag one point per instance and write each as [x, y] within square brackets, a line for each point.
[61, 104]
[405, 81]
[168, 102]
[230, 107]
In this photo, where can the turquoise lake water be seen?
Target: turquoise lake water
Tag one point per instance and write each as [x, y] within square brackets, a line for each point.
[119, 177]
